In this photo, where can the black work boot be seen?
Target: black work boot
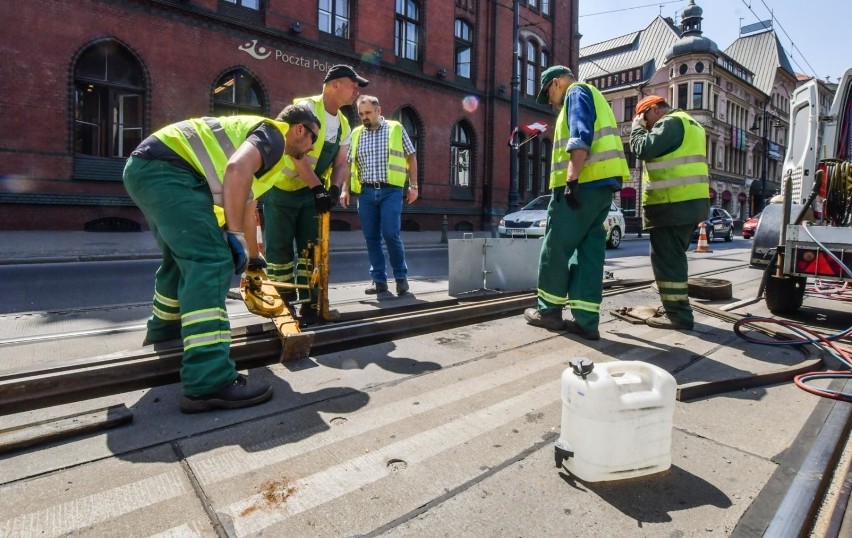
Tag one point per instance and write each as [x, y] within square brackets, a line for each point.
[241, 393]
[401, 286]
[552, 321]
[308, 315]
[376, 287]
[574, 328]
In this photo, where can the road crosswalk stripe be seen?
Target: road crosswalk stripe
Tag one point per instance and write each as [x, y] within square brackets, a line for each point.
[346, 477]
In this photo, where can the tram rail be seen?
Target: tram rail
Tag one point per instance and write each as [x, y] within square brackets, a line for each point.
[252, 346]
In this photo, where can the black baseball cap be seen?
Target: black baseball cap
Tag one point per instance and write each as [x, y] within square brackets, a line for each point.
[344, 71]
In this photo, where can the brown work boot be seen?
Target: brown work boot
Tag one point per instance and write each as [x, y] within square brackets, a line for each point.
[552, 321]
[574, 328]
[241, 393]
[664, 322]
[377, 287]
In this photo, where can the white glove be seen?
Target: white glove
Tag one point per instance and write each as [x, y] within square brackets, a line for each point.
[638, 121]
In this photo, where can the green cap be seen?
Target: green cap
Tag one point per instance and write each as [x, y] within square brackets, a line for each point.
[547, 77]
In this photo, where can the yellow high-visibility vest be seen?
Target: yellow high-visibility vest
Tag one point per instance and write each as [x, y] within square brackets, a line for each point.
[397, 171]
[207, 144]
[606, 154]
[682, 174]
[290, 180]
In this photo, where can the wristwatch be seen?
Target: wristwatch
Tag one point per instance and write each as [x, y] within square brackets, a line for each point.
[412, 187]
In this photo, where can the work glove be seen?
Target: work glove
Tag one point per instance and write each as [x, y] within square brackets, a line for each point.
[322, 200]
[638, 121]
[334, 193]
[571, 194]
[237, 243]
[257, 263]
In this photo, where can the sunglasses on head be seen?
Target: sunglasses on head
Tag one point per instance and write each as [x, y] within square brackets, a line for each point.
[314, 135]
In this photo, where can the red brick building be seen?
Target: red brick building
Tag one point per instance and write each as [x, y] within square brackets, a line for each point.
[86, 80]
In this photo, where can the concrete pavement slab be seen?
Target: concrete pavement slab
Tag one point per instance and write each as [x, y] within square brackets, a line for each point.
[107, 498]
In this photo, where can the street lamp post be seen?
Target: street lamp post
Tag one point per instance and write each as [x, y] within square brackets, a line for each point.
[516, 85]
[764, 128]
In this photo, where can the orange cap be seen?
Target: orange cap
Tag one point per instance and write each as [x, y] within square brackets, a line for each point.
[647, 102]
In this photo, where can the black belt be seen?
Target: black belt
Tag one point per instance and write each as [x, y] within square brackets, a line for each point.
[378, 185]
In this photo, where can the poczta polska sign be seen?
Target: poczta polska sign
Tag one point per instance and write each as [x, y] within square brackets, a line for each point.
[259, 52]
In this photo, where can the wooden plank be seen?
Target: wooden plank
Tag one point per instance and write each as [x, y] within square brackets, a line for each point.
[54, 429]
[700, 389]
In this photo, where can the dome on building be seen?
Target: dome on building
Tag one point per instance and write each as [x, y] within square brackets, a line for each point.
[691, 45]
[692, 11]
[691, 40]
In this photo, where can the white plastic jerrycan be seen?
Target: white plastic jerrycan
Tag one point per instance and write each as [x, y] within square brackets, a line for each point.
[616, 420]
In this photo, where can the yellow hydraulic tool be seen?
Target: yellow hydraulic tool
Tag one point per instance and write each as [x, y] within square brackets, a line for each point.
[262, 297]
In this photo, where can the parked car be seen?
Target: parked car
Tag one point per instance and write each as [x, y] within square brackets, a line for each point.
[719, 224]
[531, 221]
[750, 226]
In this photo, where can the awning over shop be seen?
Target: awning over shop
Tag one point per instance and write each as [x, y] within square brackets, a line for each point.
[742, 197]
[727, 196]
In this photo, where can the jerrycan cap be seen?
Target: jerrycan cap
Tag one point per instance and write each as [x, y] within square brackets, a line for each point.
[582, 367]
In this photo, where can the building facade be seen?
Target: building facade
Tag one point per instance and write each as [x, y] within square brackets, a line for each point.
[740, 96]
[95, 77]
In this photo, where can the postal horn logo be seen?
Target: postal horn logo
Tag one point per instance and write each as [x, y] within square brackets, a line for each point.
[251, 48]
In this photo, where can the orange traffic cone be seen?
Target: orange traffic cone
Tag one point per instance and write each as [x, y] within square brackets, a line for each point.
[703, 246]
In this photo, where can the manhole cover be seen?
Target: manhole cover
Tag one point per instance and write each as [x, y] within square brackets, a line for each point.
[710, 288]
[337, 421]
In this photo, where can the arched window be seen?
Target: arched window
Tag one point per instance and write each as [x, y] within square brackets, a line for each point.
[461, 162]
[109, 101]
[407, 30]
[237, 92]
[464, 48]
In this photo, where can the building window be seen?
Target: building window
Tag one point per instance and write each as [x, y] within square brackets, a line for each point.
[544, 166]
[333, 17]
[698, 95]
[237, 92]
[682, 96]
[628, 201]
[407, 29]
[699, 67]
[109, 101]
[629, 156]
[460, 156]
[529, 172]
[683, 69]
[464, 48]
[629, 108]
[248, 4]
[532, 63]
[533, 4]
[545, 7]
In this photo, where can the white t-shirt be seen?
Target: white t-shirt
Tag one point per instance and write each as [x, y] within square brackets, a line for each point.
[332, 125]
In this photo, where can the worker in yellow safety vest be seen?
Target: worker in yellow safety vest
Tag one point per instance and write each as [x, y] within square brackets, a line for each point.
[384, 174]
[177, 177]
[675, 198]
[587, 167]
[290, 208]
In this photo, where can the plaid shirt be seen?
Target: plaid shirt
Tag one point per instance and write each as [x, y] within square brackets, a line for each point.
[372, 158]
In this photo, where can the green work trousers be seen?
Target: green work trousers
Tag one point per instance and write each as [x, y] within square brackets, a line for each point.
[668, 260]
[291, 221]
[570, 270]
[194, 277]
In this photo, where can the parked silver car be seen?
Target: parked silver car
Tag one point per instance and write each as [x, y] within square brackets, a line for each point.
[532, 220]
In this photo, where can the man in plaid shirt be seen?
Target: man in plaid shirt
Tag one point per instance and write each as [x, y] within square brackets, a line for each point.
[384, 171]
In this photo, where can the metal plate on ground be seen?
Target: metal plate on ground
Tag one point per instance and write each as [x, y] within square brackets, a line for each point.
[496, 264]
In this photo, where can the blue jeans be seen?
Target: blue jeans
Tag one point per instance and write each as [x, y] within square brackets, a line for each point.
[380, 211]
